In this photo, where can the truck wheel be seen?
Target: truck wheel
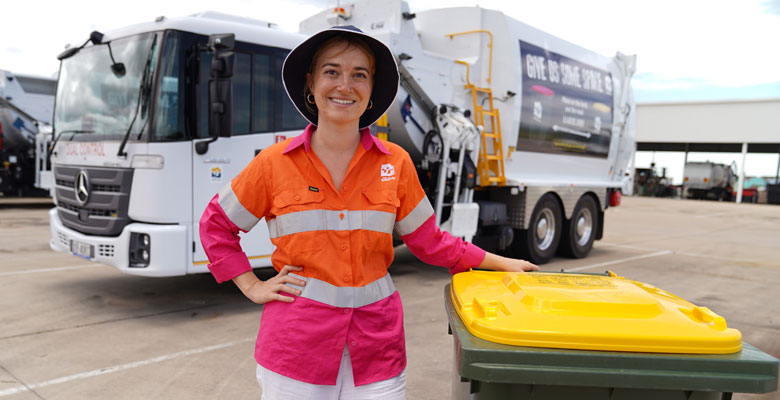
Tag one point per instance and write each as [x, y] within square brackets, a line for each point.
[539, 243]
[580, 231]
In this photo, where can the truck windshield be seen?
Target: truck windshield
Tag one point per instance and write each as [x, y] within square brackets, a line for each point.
[90, 97]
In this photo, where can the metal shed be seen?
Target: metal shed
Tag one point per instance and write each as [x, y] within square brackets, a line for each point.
[746, 126]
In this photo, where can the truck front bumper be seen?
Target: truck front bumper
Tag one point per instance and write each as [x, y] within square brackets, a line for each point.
[167, 255]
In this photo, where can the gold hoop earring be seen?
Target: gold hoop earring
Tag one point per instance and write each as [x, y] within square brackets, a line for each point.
[370, 104]
[310, 98]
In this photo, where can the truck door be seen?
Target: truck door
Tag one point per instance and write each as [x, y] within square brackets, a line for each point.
[254, 87]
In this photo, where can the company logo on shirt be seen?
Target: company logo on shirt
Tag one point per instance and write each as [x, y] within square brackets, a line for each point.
[387, 172]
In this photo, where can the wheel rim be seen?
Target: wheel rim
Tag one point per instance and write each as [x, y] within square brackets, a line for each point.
[584, 227]
[545, 229]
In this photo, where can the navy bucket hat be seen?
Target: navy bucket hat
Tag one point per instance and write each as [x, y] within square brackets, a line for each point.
[297, 63]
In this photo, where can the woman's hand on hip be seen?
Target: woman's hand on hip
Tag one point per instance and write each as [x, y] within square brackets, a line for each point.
[262, 292]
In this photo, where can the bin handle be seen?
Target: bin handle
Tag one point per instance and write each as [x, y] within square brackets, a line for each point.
[483, 308]
[706, 315]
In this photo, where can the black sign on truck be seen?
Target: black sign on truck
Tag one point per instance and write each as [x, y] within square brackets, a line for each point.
[566, 105]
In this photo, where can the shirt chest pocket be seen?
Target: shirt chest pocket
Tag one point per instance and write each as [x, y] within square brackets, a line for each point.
[296, 199]
[381, 200]
[298, 221]
[379, 210]
[380, 207]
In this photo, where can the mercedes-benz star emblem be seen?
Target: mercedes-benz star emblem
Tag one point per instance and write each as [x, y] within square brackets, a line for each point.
[82, 188]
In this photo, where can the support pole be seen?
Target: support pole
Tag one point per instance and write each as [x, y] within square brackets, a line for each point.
[629, 191]
[741, 181]
[685, 162]
[777, 174]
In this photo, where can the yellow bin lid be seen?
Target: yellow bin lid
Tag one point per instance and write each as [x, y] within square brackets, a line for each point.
[588, 312]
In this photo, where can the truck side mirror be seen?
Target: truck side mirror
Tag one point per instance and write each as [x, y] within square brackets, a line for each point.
[220, 89]
[221, 85]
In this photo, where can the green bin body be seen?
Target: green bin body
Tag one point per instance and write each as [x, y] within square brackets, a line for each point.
[492, 371]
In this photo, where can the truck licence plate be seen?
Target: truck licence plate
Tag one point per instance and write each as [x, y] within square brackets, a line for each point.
[83, 250]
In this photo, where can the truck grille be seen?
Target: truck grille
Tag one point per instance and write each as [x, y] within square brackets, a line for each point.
[96, 187]
[92, 212]
[106, 250]
[108, 196]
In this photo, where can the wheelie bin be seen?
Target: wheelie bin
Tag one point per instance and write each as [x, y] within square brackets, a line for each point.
[545, 336]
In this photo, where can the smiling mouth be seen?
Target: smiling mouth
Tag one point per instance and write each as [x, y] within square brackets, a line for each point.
[342, 101]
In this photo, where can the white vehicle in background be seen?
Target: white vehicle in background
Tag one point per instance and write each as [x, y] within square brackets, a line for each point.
[25, 114]
[520, 145]
[709, 180]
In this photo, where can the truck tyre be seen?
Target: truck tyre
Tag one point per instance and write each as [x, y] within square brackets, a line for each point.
[539, 242]
[580, 231]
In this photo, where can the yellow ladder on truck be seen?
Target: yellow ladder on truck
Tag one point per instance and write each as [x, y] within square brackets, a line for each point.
[490, 165]
[491, 153]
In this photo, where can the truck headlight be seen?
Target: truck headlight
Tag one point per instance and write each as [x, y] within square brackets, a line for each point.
[147, 161]
[140, 250]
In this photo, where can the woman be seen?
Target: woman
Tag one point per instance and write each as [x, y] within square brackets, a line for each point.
[332, 324]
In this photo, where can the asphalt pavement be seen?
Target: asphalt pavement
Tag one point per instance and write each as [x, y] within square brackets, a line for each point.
[73, 329]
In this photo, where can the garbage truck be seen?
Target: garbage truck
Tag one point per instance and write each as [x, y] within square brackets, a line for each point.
[709, 180]
[26, 104]
[521, 140]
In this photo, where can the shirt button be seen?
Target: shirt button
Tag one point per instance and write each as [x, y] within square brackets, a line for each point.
[346, 278]
[345, 187]
[297, 198]
[346, 311]
[343, 247]
[354, 343]
[390, 197]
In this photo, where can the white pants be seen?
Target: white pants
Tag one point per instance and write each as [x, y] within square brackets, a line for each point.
[280, 387]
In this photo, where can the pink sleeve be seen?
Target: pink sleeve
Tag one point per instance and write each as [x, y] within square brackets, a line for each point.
[220, 240]
[434, 246]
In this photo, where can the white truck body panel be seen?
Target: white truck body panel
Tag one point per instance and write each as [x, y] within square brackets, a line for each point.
[433, 65]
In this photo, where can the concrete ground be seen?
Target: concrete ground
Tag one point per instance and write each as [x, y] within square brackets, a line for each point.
[72, 329]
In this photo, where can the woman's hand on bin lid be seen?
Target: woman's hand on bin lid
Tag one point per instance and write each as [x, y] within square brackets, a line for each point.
[500, 263]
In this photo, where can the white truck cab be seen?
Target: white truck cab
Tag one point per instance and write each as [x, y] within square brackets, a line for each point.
[130, 184]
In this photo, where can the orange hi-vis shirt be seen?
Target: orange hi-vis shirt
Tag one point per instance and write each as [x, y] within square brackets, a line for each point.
[343, 241]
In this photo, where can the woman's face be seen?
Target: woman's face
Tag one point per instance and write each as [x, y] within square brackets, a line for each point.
[341, 81]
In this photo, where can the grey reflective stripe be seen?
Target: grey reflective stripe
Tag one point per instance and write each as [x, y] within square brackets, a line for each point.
[345, 297]
[329, 220]
[416, 218]
[234, 210]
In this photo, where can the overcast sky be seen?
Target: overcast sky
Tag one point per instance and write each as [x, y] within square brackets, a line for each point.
[687, 49]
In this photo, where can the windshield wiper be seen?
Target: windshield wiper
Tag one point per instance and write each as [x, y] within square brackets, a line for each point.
[59, 135]
[143, 92]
